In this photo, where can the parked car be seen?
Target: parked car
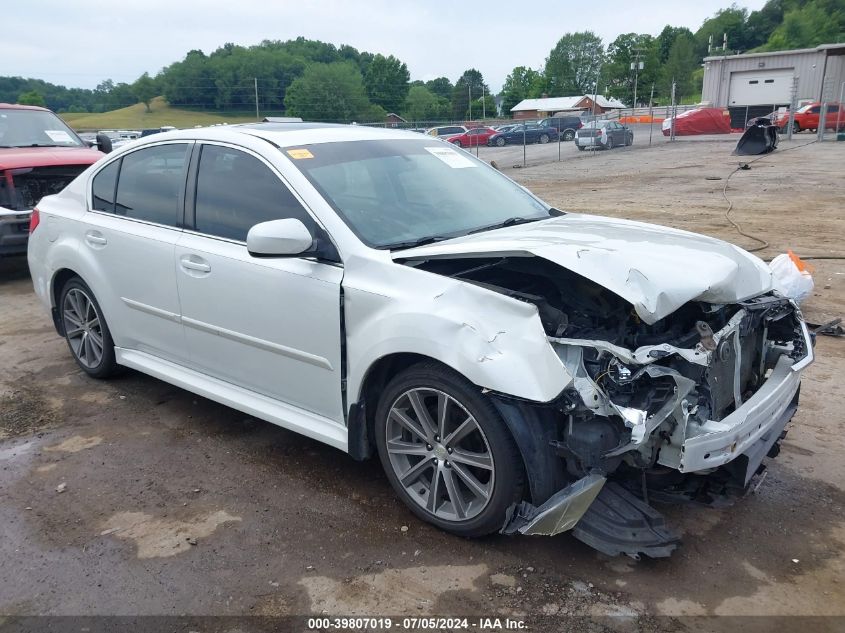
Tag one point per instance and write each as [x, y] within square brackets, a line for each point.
[387, 293]
[603, 135]
[807, 118]
[472, 138]
[39, 155]
[523, 133]
[446, 130]
[156, 130]
[566, 126]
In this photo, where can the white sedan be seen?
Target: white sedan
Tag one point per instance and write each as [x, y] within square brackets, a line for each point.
[516, 368]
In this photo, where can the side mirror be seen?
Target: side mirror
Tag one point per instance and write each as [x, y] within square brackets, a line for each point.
[279, 238]
[104, 143]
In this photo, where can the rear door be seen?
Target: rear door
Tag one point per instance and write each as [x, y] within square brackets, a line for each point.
[269, 325]
[135, 219]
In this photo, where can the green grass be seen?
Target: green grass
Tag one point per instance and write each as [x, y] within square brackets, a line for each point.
[136, 117]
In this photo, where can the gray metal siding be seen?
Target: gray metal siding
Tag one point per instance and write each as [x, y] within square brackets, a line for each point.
[808, 66]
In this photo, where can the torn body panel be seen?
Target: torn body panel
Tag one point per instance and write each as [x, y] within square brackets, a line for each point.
[495, 341]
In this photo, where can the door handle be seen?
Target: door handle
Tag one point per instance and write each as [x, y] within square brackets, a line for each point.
[194, 263]
[95, 238]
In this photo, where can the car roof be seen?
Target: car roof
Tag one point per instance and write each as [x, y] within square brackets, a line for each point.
[286, 134]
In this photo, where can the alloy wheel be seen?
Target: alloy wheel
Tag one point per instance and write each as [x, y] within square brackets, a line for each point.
[440, 454]
[83, 327]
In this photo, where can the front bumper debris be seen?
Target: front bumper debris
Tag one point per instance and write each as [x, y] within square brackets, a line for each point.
[559, 514]
[602, 514]
[620, 523]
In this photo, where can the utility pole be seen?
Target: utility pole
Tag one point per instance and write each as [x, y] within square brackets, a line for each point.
[636, 66]
[255, 81]
[710, 50]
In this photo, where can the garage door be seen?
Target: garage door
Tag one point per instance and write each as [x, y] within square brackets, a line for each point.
[761, 87]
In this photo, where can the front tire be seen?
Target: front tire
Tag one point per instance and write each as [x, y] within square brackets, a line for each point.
[609, 144]
[447, 452]
[86, 331]
[544, 138]
[795, 127]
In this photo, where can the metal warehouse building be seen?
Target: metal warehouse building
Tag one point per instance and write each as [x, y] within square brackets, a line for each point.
[755, 84]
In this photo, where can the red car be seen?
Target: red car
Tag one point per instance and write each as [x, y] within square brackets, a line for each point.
[807, 117]
[473, 137]
[39, 156]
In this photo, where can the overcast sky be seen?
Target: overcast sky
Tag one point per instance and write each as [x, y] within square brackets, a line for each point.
[82, 42]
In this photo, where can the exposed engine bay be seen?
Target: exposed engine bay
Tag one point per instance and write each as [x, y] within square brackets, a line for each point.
[655, 409]
[22, 188]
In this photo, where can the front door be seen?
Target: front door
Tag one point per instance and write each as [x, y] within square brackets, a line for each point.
[270, 325]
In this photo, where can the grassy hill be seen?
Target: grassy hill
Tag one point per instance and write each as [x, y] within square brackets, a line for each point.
[136, 117]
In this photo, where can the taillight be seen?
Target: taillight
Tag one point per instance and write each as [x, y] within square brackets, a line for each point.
[34, 219]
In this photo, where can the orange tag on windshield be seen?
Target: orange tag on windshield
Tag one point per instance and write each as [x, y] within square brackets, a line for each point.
[299, 154]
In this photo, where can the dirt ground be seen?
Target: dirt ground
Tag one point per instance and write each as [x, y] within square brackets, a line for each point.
[133, 497]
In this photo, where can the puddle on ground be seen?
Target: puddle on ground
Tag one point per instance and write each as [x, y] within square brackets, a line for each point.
[158, 538]
[75, 444]
[412, 590]
[10, 452]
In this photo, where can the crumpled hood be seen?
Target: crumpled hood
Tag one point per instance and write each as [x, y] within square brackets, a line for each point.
[655, 268]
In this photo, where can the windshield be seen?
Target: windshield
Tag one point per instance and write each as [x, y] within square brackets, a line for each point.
[396, 193]
[35, 128]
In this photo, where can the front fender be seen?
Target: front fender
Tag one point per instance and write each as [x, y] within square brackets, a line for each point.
[496, 342]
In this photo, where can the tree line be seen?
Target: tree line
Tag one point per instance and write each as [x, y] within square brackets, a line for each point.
[581, 64]
[323, 82]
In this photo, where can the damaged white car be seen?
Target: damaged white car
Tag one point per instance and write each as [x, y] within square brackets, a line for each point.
[516, 368]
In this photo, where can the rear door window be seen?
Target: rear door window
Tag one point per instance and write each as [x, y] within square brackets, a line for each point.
[151, 184]
[236, 191]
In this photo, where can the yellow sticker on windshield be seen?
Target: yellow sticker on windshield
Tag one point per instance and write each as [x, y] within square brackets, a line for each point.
[299, 154]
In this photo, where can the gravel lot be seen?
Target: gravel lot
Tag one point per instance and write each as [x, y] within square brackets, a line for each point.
[171, 504]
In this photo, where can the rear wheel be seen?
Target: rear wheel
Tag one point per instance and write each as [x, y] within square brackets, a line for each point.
[457, 142]
[568, 135]
[446, 451]
[500, 142]
[795, 127]
[581, 148]
[86, 331]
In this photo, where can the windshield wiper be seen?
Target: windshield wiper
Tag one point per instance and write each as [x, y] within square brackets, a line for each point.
[509, 222]
[430, 239]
